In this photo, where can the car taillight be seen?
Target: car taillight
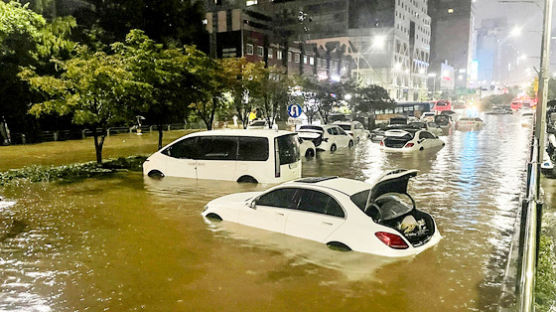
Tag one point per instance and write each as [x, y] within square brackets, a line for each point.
[409, 145]
[391, 240]
[381, 143]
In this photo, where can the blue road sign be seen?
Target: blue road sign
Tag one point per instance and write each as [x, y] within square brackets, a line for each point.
[294, 110]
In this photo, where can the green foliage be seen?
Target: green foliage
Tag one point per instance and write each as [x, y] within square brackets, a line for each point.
[172, 22]
[367, 99]
[72, 172]
[545, 286]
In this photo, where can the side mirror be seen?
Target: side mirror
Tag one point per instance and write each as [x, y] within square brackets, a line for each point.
[420, 141]
[253, 204]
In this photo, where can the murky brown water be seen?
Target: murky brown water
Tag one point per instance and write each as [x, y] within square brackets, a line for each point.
[127, 243]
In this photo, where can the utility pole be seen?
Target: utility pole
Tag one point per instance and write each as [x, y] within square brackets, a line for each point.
[540, 126]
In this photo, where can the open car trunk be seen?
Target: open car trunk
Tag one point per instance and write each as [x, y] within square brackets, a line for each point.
[397, 138]
[389, 204]
[315, 136]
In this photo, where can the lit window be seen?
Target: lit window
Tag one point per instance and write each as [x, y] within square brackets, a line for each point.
[450, 11]
[260, 51]
[304, 59]
[270, 54]
[250, 2]
[279, 54]
[249, 49]
[312, 60]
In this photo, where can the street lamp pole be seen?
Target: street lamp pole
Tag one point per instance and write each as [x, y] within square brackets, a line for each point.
[543, 89]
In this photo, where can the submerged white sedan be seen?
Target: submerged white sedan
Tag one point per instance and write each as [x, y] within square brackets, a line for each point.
[346, 214]
[409, 140]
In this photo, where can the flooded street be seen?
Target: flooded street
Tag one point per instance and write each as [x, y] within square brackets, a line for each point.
[129, 243]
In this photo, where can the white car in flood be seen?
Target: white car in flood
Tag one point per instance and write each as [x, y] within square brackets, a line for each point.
[257, 156]
[378, 219]
[409, 140]
[326, 137]
[353, 128]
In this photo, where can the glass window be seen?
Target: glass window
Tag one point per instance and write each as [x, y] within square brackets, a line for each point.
[340, 131]
[260, 51]
[282, 198]
[317, 202]
[296, 58]
[270, 53]
[249, 49]
[426, 135]
[185, 149]
[346, 127]
[311, 61]
[332, 131]
[288, 149]
[218, 148]
[279, 54]
[360, 199]
[253, 149]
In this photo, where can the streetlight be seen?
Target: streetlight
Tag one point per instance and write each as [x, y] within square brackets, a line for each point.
[379, 42]
[516, 31]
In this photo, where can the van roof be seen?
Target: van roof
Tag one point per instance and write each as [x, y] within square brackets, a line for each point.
[266, 133]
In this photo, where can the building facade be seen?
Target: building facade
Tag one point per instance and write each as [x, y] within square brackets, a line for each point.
[377, 42]
[452, 39]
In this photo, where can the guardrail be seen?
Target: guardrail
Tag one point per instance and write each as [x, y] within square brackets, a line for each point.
[63, 135]
[529, 235]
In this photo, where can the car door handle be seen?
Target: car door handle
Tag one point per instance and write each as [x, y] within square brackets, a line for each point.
[327, 223]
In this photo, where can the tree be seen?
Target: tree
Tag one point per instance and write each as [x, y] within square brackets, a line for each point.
[27, 40]
[92, 88]
[167, 72]
[243, 80]
[171, 22]
[211, 87]
[270, 92]
[310, 90]
[367, 99]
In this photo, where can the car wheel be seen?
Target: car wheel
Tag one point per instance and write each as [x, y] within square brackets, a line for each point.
[333, 148]
[214, 217]
[338, 246]
[350, 144]
[247, 179]
[155, 174]
[309, 153]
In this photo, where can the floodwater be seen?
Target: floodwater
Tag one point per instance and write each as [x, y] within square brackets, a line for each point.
[129, 243]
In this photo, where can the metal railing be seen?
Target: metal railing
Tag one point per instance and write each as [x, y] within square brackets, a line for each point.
[63, 135]
[529, 236]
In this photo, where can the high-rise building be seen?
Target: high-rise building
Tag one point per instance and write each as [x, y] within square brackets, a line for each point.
[452, 39]
[383, 42]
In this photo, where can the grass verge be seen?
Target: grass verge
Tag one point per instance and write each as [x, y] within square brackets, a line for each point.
[72, 172]
[545, 287]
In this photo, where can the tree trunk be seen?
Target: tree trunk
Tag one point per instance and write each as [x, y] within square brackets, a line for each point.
[160, 134]
[98, 145]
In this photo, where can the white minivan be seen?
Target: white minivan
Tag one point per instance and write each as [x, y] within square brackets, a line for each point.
[257, 156]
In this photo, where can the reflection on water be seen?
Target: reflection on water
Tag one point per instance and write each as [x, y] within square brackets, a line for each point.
[134, 243]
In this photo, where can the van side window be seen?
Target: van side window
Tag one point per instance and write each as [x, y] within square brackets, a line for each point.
[253, 149]
[317, 202]
[288, 149]
[217, 148]
[332, 131]
[185, 149]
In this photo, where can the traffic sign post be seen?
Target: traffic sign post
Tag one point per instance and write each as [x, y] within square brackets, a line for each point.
[294, 110]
